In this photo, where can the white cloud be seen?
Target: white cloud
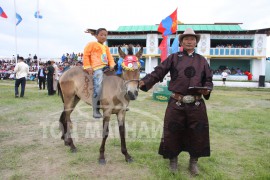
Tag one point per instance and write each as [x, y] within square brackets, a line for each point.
[62, 28]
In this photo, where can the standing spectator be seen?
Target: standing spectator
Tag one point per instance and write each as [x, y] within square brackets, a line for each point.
[249, 75]
[63, 58]
[50, 72]
[56, 76]
[186, 125]
[21, 69]
[35, 58]
[79, 57]
[13, 59]
[66, 66]
[73, 56]
[29, 59]
[224, 75]
[41, 77]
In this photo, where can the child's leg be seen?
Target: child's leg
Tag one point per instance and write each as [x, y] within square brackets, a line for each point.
[97, 80]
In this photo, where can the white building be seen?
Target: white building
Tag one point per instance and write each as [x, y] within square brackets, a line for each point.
[222, 44]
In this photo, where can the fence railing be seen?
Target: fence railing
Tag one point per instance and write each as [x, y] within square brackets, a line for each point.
[232, 51]
[213, 51]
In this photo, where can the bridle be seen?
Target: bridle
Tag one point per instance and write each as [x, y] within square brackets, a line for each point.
[130, 63]
[128, 81]
[131, 80]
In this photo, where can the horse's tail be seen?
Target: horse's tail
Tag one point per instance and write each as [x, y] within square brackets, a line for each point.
[60, 91]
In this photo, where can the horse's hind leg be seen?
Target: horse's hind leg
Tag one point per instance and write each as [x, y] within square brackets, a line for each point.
[66, 124]
[105, 134]
[65, 127]
[67, 137]
[63, 124]
[122, 129]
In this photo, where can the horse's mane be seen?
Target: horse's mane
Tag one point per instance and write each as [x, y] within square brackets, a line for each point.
[109, 73]
[130, 49]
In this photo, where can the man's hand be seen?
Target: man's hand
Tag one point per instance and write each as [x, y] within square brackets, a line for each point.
[204, 92]
[141, 83]
[90, 71]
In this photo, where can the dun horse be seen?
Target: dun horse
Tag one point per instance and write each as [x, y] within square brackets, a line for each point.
[75, 85]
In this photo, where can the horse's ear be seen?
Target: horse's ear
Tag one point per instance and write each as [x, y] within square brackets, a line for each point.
[139, 53]
[121, 53]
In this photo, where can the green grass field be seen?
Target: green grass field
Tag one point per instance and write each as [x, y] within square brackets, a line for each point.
[30, 145]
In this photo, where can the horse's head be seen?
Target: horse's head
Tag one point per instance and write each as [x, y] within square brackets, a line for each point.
[131, 71]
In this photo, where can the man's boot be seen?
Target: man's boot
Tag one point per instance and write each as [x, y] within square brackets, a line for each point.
[193, 167]
[174, 164]
[96, 113]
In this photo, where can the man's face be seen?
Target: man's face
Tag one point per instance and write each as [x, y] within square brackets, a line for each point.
[189, 43]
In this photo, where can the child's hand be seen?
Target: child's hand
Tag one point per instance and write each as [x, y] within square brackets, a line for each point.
[111, 68]
[90, 71]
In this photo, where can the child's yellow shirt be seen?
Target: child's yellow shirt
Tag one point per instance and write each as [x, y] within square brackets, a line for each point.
[97, 56]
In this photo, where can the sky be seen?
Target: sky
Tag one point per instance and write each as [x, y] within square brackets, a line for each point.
[61, 30]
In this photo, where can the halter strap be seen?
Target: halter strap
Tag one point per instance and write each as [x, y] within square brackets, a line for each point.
[128, 81]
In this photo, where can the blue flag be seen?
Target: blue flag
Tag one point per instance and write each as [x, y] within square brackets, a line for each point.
[175, 45]
[19, 18]
[168, 46]
[37, 15]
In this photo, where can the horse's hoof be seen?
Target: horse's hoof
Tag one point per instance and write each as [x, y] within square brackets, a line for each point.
[129, 160]
[73, 150]
[102, 161]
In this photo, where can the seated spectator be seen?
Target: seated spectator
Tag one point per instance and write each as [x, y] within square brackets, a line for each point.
[32, 77]
[12, 76]
[233, 71]
[228, 70]
[238, 71]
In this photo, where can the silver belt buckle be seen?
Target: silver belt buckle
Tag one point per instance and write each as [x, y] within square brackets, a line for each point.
[188, 99]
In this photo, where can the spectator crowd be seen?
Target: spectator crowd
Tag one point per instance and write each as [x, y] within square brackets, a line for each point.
[232, 46]
[7, 65]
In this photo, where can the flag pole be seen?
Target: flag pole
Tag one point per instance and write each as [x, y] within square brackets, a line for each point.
[176, 25]
[176, 22]
[176, 34]
[38, 35]
[15, 32]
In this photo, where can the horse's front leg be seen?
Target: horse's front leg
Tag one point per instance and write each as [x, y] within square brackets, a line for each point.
[105, 134]
[122, 131]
